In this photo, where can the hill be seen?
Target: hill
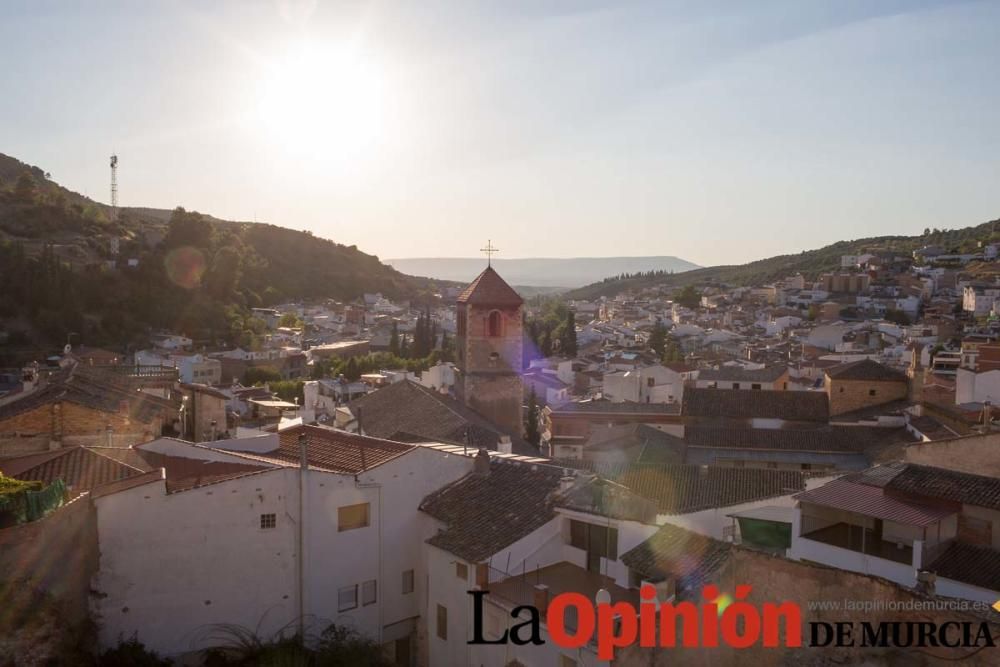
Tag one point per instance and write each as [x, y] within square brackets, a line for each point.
[810, 263]
[190, 272]
[540, 271]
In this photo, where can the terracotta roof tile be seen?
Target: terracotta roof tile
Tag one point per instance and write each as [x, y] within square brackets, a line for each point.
[485, 513]
[489, 289]
[675, 552]
[682, 488]
[970, 564]
[748, 404]
[337, 451]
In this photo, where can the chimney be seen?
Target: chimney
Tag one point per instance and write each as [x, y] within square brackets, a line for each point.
[481, 464]
[541, 597]
[483, 576]
[926, 582]
[505, 446]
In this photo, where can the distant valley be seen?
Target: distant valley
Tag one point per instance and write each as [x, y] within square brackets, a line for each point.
[539, 271]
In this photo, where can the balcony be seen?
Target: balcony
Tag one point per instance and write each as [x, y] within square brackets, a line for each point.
[861, 540]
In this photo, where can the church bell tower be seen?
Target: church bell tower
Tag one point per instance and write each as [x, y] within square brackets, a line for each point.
[489, 350]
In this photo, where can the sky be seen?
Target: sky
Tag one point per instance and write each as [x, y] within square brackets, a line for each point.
[720, 132]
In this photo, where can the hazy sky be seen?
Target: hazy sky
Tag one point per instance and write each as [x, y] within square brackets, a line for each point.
[717, 131]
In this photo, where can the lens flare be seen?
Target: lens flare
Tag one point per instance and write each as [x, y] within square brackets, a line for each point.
[185, 266]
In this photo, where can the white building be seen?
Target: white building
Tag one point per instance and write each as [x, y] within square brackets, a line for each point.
[218, 538]
[651, 384]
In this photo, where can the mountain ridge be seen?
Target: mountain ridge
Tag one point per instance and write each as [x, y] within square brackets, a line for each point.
[565, 272]
[810, 263]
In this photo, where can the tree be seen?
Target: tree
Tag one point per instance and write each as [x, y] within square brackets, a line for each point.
[672, 353]
[25, 188]
[658, 338]
[447, 347]
[290, 320]
[254, 376]
[394, 340]
[688, 297]
[531, 431]
[188, 229]
[567, 340]
[351, 371]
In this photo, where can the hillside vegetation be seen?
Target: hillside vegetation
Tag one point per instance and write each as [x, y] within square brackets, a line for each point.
[195, 274]
[810, 263]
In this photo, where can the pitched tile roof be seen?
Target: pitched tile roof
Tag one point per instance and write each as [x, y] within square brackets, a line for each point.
[89, 388]
[80, 468]
[866, 369]
[748, 404]
[843, 494]
[406, 409]
[681, 488]
[840, 439]
[336, 451]
[941, 483]
[489, 289]
[654, 446]
[971, 564]
[675, 552]
[739, 374]
[609, 408]
[185, 473]
[486, 513]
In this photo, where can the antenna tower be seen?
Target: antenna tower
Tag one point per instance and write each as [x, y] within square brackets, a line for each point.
[114, 187]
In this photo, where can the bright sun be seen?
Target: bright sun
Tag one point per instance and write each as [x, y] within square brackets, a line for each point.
[323, 102]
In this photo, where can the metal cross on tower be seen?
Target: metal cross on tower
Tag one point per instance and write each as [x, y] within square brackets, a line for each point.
[114, 187]
[490, 251]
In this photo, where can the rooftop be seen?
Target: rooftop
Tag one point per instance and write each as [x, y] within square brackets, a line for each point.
[489, 289]
[748, 404]
[865, 370]
[671, 551]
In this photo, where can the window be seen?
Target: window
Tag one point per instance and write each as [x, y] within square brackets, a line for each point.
[736, 385]
[347, 598]
[597, 541]
[350, 517]
[268, 521]
[494, 324]
[462, 571]
[369, 592]
[755, 386]
[650, 382]
[407, 581]
[841, 390]
[442, 621]
[871, 392]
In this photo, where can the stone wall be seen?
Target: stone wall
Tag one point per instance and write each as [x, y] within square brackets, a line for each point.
[775, 579]
[497, 398]
[850, 395]
[975, 454]
[57, 554]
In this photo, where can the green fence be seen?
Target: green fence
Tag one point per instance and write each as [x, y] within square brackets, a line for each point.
[31, 505]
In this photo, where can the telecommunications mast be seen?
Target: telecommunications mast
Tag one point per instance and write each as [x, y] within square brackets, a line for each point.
[114, 187]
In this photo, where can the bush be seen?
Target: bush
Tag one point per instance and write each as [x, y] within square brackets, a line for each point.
[131, 653]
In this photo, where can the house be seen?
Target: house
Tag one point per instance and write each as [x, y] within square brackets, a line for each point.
[901, 519]
[548, 388]
[289, 511]
[737, 377]
[83, 405]
[508, 523]
[862, 384]
[647, 384]
[567, 427]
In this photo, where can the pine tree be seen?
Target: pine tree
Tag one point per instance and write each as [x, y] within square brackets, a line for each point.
[394, 340]
[658, 338]
[567, 341]
[351, 370]
[531, 431]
